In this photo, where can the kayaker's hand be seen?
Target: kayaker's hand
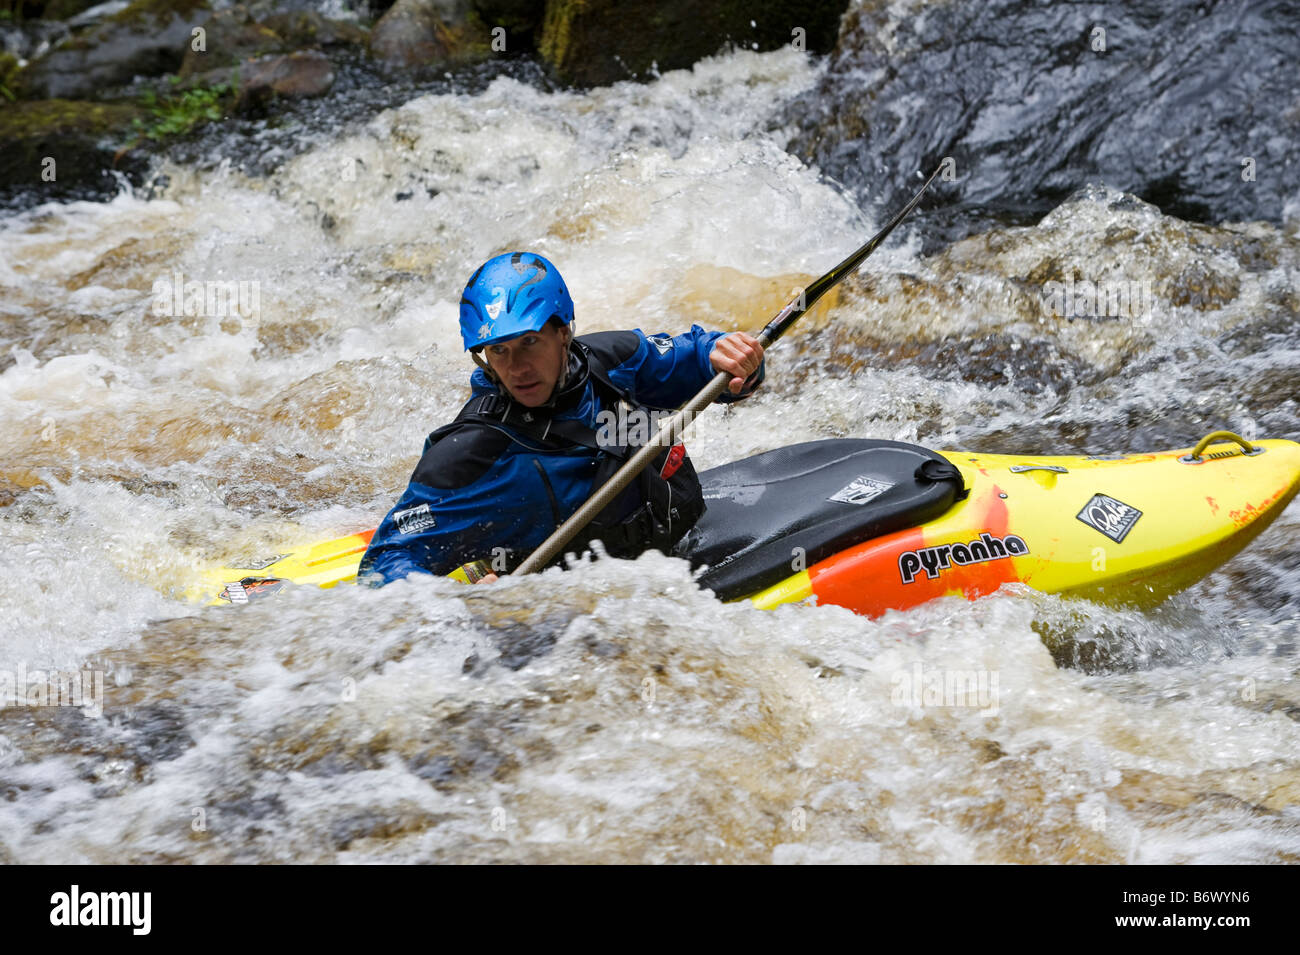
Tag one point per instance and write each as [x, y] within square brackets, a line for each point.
[738, 354]
[488, 579]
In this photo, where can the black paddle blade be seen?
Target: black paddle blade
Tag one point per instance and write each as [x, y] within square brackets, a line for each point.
[792, 312]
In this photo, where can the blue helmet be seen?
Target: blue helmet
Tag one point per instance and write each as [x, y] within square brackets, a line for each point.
[510, 295]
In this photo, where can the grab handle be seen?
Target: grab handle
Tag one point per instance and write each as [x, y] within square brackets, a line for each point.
[1206, 441]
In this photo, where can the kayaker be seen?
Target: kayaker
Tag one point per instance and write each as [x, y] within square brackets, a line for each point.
[550, 418]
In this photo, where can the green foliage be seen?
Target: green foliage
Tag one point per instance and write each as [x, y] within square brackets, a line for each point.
[176, 115]
[8, 75]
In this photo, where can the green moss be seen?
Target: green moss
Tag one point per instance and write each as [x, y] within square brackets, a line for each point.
[175, 115]
[554, 45]
[36, 118]
[8, 77]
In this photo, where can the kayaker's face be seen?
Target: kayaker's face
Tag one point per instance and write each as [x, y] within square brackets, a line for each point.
[529, 366]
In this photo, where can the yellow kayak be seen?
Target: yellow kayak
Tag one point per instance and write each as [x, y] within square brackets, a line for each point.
[830, 520]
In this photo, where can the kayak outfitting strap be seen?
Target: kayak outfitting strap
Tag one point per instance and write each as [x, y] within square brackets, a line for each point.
[1205, 442]
[936, 471]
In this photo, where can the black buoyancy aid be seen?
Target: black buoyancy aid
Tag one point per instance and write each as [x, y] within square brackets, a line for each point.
[655, 511]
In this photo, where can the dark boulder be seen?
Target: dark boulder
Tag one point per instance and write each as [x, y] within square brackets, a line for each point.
[592, 42]
[59, 149]
[149, 38]
[1160, 98]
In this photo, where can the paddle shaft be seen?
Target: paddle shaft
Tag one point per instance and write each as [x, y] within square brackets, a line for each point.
[671, 430]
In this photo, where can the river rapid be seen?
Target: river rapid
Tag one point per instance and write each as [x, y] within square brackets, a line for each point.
[615, 713]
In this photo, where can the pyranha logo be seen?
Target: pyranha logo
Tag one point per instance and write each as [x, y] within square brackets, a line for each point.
[942, 557]
[102, 908]
[1113, 518]
[414, 519]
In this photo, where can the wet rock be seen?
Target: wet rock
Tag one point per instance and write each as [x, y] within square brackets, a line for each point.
[302, 74]
[148, 38]
[592, 42]
[63, 148]
[231, 36]
[1031, 100]
[429, 33]
[307, 28]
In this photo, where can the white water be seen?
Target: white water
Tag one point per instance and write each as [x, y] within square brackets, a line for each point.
[617, 713]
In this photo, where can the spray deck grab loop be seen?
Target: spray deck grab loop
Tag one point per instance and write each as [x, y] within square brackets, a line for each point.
[1205, 442]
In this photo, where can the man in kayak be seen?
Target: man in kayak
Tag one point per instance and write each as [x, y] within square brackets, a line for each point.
[551, 417]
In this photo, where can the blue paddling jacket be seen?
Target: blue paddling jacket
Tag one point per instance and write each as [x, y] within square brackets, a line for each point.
[485, 490]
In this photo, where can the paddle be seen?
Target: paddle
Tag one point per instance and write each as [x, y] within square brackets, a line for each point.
[672, 429]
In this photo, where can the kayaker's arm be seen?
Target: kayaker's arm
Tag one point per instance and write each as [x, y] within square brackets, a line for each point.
[665, 371]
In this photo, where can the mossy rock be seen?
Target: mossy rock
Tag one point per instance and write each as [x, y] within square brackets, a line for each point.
[521, 19]
[432, 34]
[307, 28]
[149, 38]
[231, 36]
[74, 141]
[9, 85]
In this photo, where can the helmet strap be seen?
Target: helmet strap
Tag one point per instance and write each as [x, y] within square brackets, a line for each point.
[568, 358]
[487, 369]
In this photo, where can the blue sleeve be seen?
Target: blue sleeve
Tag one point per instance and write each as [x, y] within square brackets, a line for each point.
[667, 371]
